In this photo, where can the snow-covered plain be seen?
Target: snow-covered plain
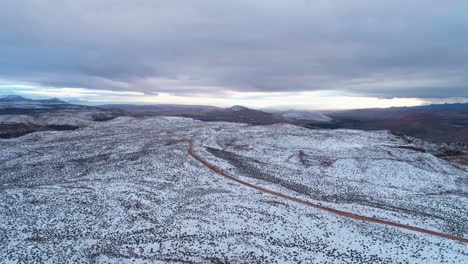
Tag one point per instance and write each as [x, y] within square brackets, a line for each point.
[126, 190]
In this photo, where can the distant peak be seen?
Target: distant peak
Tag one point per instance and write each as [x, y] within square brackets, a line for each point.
[20, 99]
[12, 98]
[237, 108]
[56, 100]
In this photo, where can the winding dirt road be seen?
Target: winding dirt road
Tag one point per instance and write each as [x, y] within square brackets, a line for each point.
[331, 210]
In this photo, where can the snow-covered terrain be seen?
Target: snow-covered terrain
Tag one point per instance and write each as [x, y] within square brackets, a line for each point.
[307, 115]
[237, 108]
[126, 189]
[18, 119]
[62, 118]
[20, 116]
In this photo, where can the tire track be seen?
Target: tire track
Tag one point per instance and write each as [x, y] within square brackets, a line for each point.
[317, 206]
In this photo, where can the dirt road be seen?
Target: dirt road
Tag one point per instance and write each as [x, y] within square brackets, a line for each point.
[331, 210]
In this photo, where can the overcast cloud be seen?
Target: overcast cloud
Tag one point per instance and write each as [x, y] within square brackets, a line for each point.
[195, 48]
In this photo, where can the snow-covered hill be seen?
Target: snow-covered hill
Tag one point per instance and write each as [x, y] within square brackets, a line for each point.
[127, 190]
[238, 108]
[307, 115]
[72, 119]
[17, 119]
[20, 116]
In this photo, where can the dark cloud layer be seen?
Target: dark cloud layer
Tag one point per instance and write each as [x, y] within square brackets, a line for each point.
[375, 48]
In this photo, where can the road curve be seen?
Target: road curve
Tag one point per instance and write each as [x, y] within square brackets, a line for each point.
[330, 210]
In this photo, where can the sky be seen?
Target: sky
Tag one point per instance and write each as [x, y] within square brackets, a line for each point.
[300, 54]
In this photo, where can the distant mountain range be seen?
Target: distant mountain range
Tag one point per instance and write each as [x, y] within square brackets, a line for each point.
[15, 104]
[398, 112]
[438, 122]
[205, 113]
[21, 100]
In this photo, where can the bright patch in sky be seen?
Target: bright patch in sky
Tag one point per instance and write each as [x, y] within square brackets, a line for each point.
[327, 100]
